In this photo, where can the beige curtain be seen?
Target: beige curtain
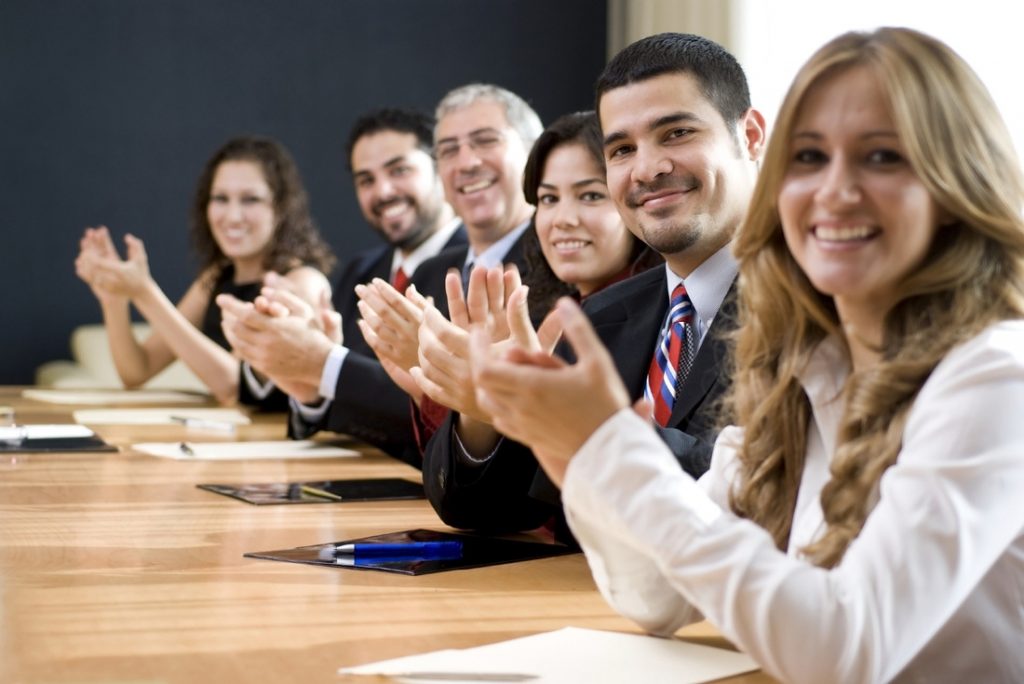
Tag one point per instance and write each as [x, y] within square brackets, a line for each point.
[630, 20]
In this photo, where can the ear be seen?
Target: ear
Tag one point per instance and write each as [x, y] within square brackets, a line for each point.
[752, 133]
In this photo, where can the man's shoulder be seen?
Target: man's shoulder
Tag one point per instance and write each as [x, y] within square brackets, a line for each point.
[440, 263]
[639, 291]
[365, 261]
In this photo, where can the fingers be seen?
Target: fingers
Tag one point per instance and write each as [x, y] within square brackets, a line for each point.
[331, 322]
[580, 333]
[550, 331]
[518, 315]
[414, 296]
[495, 294]
[476, 295]
[136, 250]
[268, 307]
[291, 303]
[456, 301]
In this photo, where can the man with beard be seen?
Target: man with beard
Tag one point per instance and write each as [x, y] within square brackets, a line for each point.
[390, 156]
[681, 146]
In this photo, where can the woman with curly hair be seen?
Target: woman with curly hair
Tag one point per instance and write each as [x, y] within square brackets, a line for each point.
[250, 217]
[863, 520]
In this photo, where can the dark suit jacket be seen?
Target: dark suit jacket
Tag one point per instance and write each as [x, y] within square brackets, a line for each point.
[510, 492]
[367, 404]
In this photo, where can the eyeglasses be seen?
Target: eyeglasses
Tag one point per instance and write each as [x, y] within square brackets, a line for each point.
[478, 141]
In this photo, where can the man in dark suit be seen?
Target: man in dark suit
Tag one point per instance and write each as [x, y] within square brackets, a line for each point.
[483, 134]
[390, 156]
[681, 147]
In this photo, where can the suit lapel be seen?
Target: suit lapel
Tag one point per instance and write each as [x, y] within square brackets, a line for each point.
[629, 327]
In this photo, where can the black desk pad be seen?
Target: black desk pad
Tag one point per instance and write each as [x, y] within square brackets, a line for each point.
[477, 552]
[276, 493]
[56, 444]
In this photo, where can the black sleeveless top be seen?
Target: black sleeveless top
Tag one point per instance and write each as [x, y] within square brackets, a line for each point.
[225, 285]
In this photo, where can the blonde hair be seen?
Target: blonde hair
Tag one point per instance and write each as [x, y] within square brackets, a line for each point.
[959, 147]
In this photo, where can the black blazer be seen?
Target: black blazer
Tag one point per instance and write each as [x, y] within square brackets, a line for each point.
[510, 492]
[367, 404]
[364, 267]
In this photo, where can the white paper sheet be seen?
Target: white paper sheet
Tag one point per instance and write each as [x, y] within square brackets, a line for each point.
[57, 431]
[101, 397]
[159, 416]
[573, 654]
[244, 451]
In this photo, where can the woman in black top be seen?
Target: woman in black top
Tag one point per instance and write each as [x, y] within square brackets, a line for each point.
[250, 217]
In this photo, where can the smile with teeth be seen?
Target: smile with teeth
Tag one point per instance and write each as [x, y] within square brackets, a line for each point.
[568, 245]
[477, 186]
[843, 233]
[393, 209]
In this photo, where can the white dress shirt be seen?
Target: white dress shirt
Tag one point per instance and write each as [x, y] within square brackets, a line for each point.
[932, 589]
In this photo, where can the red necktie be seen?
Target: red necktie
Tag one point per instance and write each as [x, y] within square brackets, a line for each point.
[670, 364]
[400, 280]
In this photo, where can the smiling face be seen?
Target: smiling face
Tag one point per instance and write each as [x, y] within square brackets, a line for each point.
[398, 190]
[580, 231]
[241, 213]
[855, 215]
[676, 172]
[481, 159]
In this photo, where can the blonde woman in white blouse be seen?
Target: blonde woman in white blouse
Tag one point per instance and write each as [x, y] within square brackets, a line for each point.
[865, 520]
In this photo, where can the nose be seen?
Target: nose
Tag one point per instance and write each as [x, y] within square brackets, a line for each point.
[840, 186]
[234, 210]
[649, 163]
[467, 158]
[566, 215]
[385, 189]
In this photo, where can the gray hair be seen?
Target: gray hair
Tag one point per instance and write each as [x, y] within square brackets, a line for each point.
[520, 115]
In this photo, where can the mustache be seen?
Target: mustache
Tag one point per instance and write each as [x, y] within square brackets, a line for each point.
[661, 184]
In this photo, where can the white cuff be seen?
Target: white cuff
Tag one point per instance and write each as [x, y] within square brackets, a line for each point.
[259, 390]
[332, 369]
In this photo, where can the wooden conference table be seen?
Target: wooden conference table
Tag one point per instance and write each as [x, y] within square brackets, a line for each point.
[114, 567]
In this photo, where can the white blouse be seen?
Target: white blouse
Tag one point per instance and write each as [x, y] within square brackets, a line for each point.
[931, 590]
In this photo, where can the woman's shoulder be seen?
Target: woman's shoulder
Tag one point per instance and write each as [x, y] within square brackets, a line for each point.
[1000, 343]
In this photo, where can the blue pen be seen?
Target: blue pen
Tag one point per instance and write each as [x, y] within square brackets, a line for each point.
[426, 550]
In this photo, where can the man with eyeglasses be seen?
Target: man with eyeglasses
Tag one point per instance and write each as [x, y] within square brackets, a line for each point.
[483, 135]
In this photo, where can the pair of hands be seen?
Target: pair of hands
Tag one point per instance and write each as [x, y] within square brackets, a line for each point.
[282, 336]
[489, 363]
[111, 278]
[427, 354]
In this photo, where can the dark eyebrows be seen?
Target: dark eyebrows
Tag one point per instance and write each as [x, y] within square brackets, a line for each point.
[394, 160]
[815, 135]
[668, 119]
[576, 184]
[674, 118]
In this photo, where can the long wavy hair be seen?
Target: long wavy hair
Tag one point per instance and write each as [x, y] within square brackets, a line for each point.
[295, 241]
[973, 276]
[578, 128]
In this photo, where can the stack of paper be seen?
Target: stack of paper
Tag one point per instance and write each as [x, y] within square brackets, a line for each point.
[99, 397]
[569, 655]
[240, 451]
[160, 416]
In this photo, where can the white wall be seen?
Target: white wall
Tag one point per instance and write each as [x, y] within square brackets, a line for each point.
[772, 38]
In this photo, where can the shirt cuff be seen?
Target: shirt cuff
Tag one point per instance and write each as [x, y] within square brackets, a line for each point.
[332, 369]
[310, 414]
[258, 390]
[463, 455]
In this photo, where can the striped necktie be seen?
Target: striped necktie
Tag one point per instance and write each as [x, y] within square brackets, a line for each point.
[673, 357]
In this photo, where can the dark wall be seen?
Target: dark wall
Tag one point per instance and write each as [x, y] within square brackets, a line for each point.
[110, 107]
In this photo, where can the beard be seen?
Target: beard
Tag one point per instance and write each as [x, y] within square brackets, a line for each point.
[663, 230]
[423, 226]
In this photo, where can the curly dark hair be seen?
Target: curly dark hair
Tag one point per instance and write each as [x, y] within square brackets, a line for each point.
[581, 128]
[396, 120]
[296, 240]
